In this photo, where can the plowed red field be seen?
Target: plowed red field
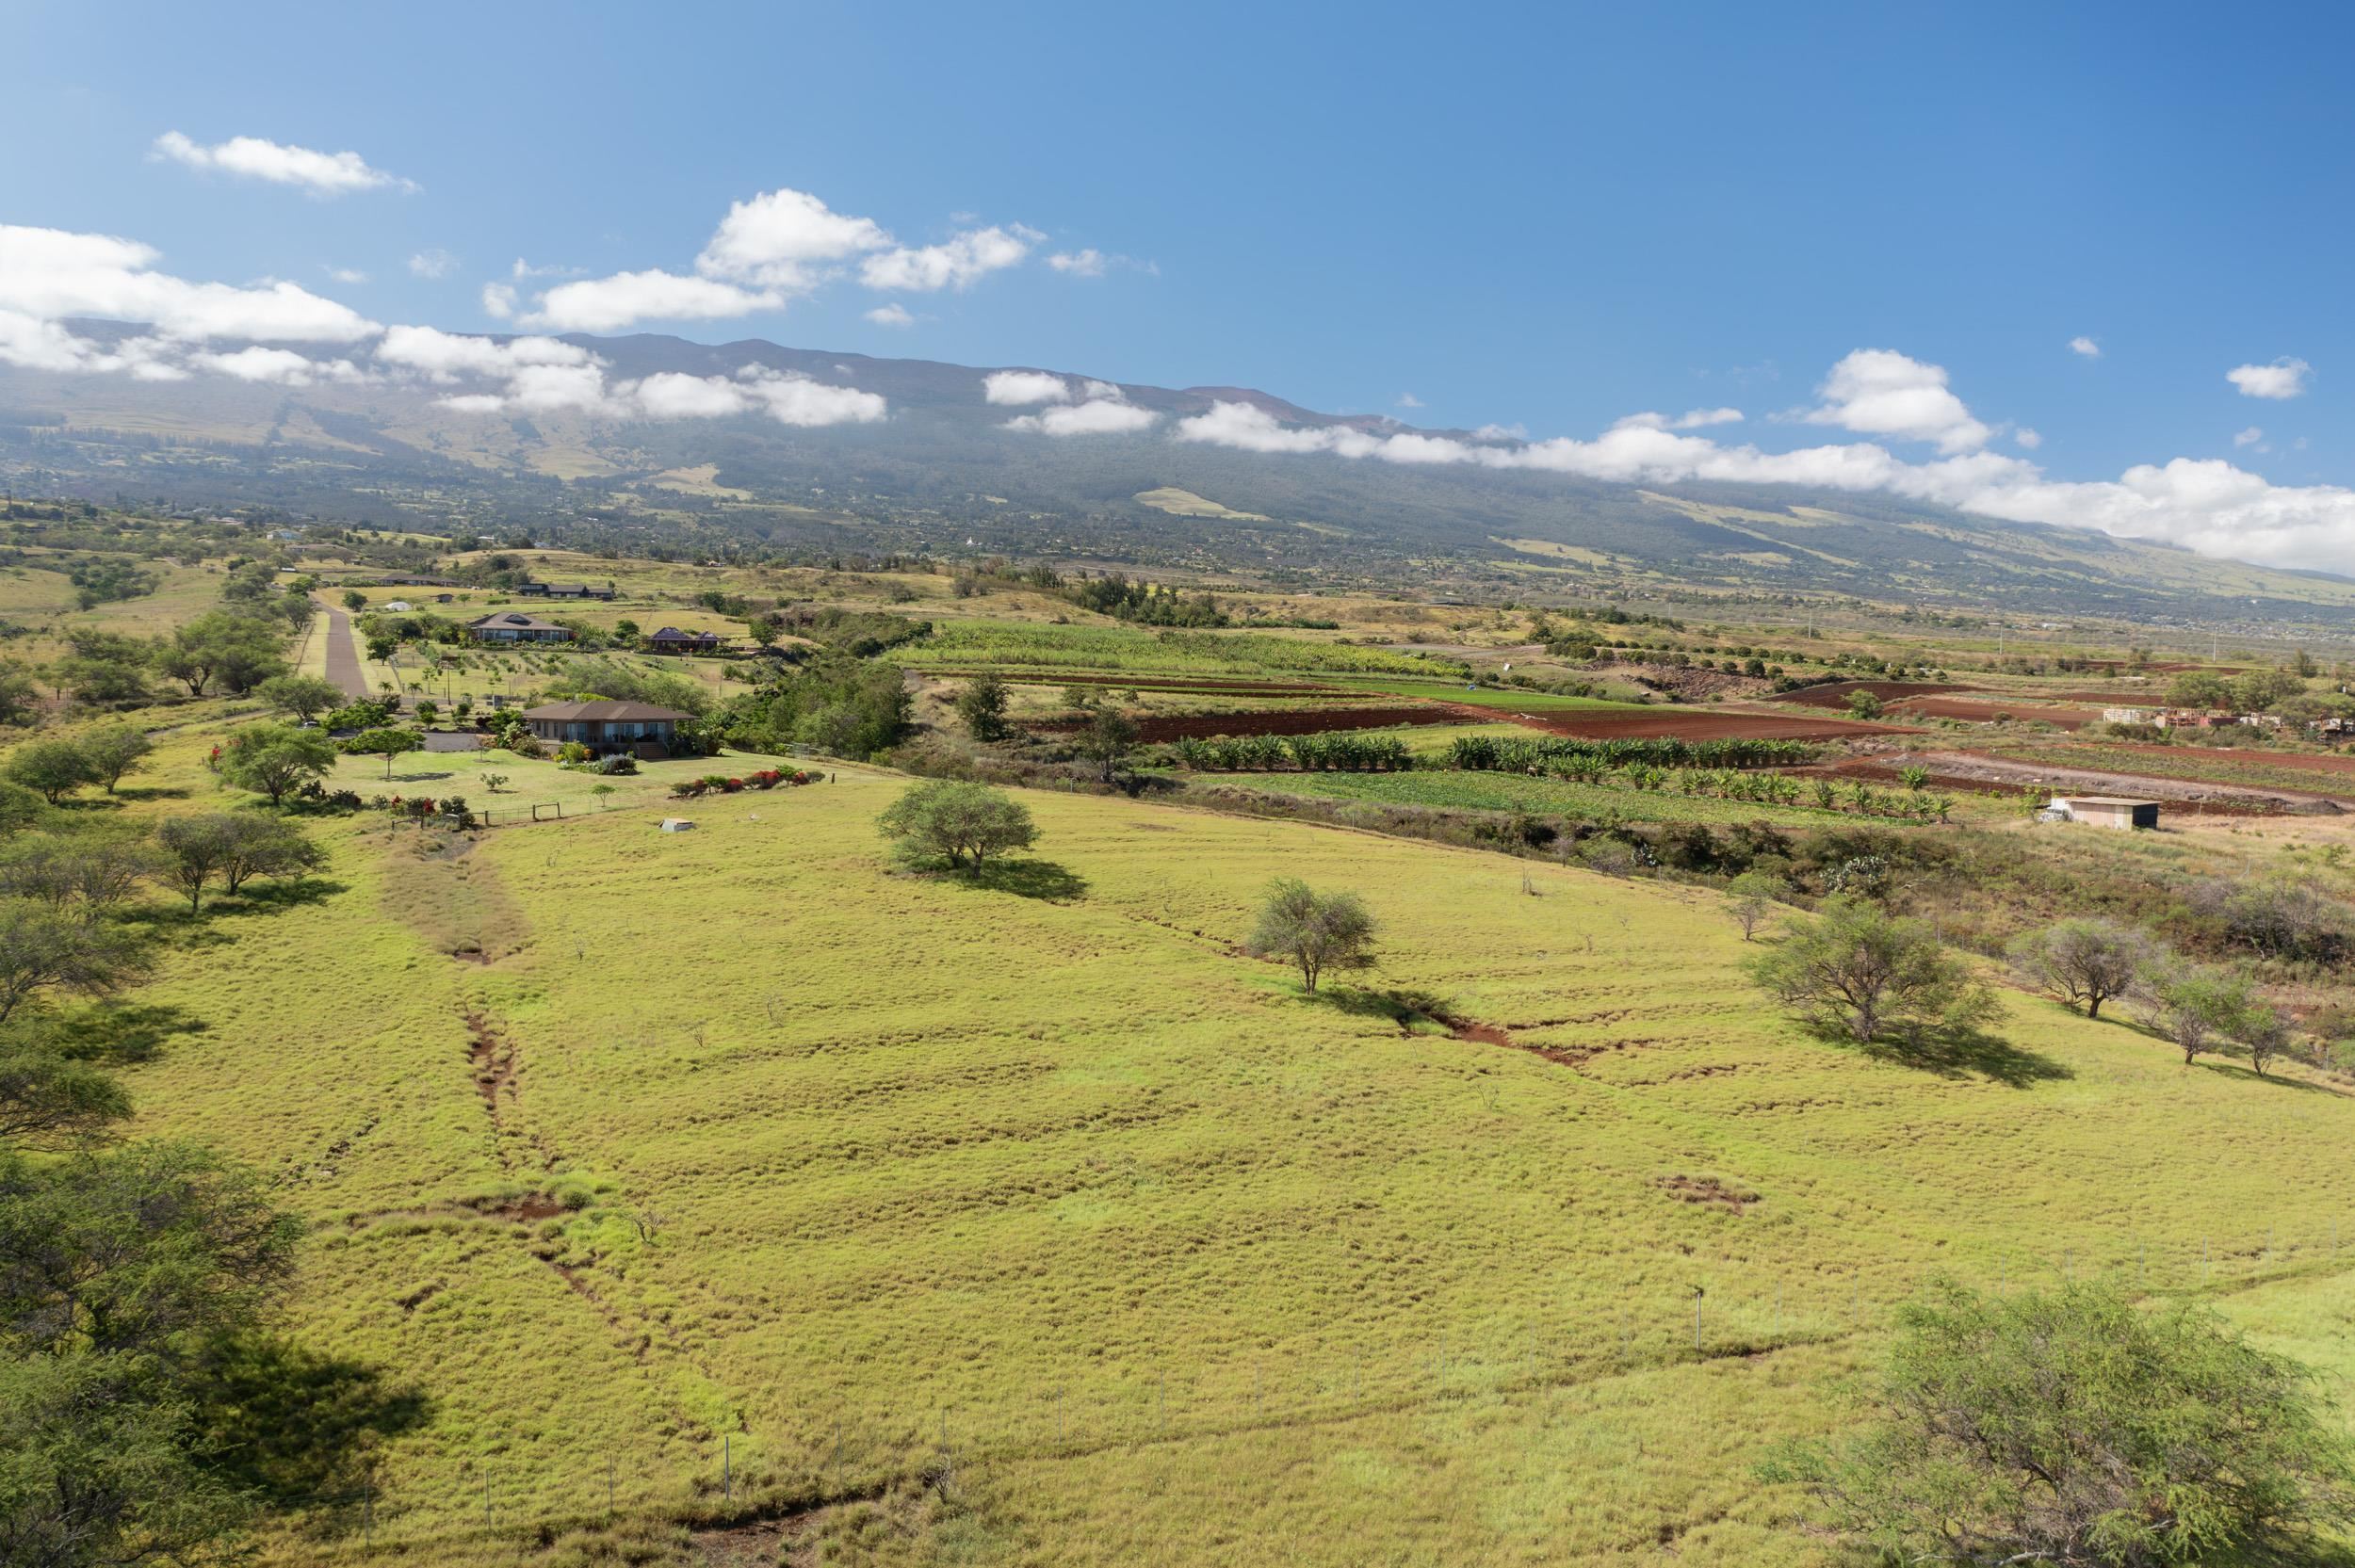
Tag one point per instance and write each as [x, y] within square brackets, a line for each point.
[1684, 724]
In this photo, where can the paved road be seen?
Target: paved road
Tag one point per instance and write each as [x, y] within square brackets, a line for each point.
[342, 659]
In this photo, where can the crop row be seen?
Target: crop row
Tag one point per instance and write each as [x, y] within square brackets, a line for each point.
[1568, 755]
[1313, 753]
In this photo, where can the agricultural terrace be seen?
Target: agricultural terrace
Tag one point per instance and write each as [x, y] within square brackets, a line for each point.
[1026, 1220]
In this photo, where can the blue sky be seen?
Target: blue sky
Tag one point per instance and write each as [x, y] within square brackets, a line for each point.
[1547, 217]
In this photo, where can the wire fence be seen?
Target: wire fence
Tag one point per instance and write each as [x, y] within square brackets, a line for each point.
[836, 1449]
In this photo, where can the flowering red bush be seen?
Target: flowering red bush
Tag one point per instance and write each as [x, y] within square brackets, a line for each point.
[732, 785]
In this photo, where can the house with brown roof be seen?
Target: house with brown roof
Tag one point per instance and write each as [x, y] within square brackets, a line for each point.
[639, 728]
[517, 626]
[670, 639]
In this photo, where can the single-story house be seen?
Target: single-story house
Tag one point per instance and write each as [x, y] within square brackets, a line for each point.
[565, 590]
[639, 728]
[2106, 811]
[515, 626]
[533, 590]
[670, 639]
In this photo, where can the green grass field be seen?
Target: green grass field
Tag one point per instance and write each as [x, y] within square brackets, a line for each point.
[615, 1146]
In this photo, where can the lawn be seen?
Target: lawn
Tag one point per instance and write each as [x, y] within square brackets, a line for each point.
[1038, 1189]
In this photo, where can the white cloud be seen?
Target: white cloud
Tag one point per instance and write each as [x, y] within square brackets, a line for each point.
[784, 239]
[2084, 345]
[319, 173]
[1881, 391]
[672, 395]
[444, 356]
[610, 304]
[957, 263]
[1100, 416]
[1409, 400]
[1015, 388]
[1089, 263]
[1692, 419]
[2027, 438]
[474, 402]
[277, 366]
[893, 315]
[498, 300]
[795, 399]
[50, 274]
[522, 269]
[2248, 437]
[346, 275]
[435, 263]
[1502, 432]
[2283, 378]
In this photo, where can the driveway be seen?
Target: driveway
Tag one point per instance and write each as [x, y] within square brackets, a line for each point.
[342, 659]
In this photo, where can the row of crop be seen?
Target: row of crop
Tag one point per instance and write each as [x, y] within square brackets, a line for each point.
[1556, 754]
[1315, 753]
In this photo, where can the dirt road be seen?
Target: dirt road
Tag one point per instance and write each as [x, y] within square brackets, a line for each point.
[343, 658]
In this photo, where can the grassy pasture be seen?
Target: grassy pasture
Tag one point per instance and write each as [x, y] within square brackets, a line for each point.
[1041, 1188]
[1518, 792]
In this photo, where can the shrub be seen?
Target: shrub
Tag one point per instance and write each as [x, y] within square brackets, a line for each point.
[618, 764]
[2073, 1427]
[1316, 931]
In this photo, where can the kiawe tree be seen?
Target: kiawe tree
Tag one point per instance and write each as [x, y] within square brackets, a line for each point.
[959, 823]
[276, 759]
[2083, 962]
[304, 696]
[55, 768]
[114, 749]
[1314, 930]
[2076, 1428]
[385, 743]
[1859, 971]
[982, 706]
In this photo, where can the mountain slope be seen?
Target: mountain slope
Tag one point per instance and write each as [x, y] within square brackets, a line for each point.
[941, 469]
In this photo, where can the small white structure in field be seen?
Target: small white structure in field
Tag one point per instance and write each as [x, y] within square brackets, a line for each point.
[677, 824]
[398, 606]
[2106, 811]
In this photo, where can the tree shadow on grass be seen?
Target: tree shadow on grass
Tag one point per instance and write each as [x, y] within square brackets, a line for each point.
[150, 792]
[1027, 878]
[115, 1033]
[1965, 1053]
[298, 1427]
[2275, 1081]
[1405, 1008]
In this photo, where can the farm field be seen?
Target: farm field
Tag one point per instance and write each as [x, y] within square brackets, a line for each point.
[1036, 1187]
[978, 644]
[2308, 771]
[1480, 791]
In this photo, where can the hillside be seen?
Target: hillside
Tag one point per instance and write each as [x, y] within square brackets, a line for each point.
[941, 471]
[1048, 1228]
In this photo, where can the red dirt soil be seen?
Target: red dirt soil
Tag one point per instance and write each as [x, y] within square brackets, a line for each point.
[1684, 724]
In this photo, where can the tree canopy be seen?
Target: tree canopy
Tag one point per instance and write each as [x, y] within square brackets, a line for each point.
[1859, 971]
[959, 823]
[1314, 930]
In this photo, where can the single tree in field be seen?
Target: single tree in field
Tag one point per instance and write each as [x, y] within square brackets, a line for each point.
[55, 768]
[255, 845]
[195, 849]
[354, 599]
[1753, 898]
[1109, 737]
[1864, 705]
[276, 759]
[1315, 931]
[963, 824]
[2082, 962]
[385, 743]
[114, 749]
[2075, 1427]
[304, 696]
[43, 948]
[982, 706]
[2266, 1034]
[2198, 1008]
[1858, 970]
